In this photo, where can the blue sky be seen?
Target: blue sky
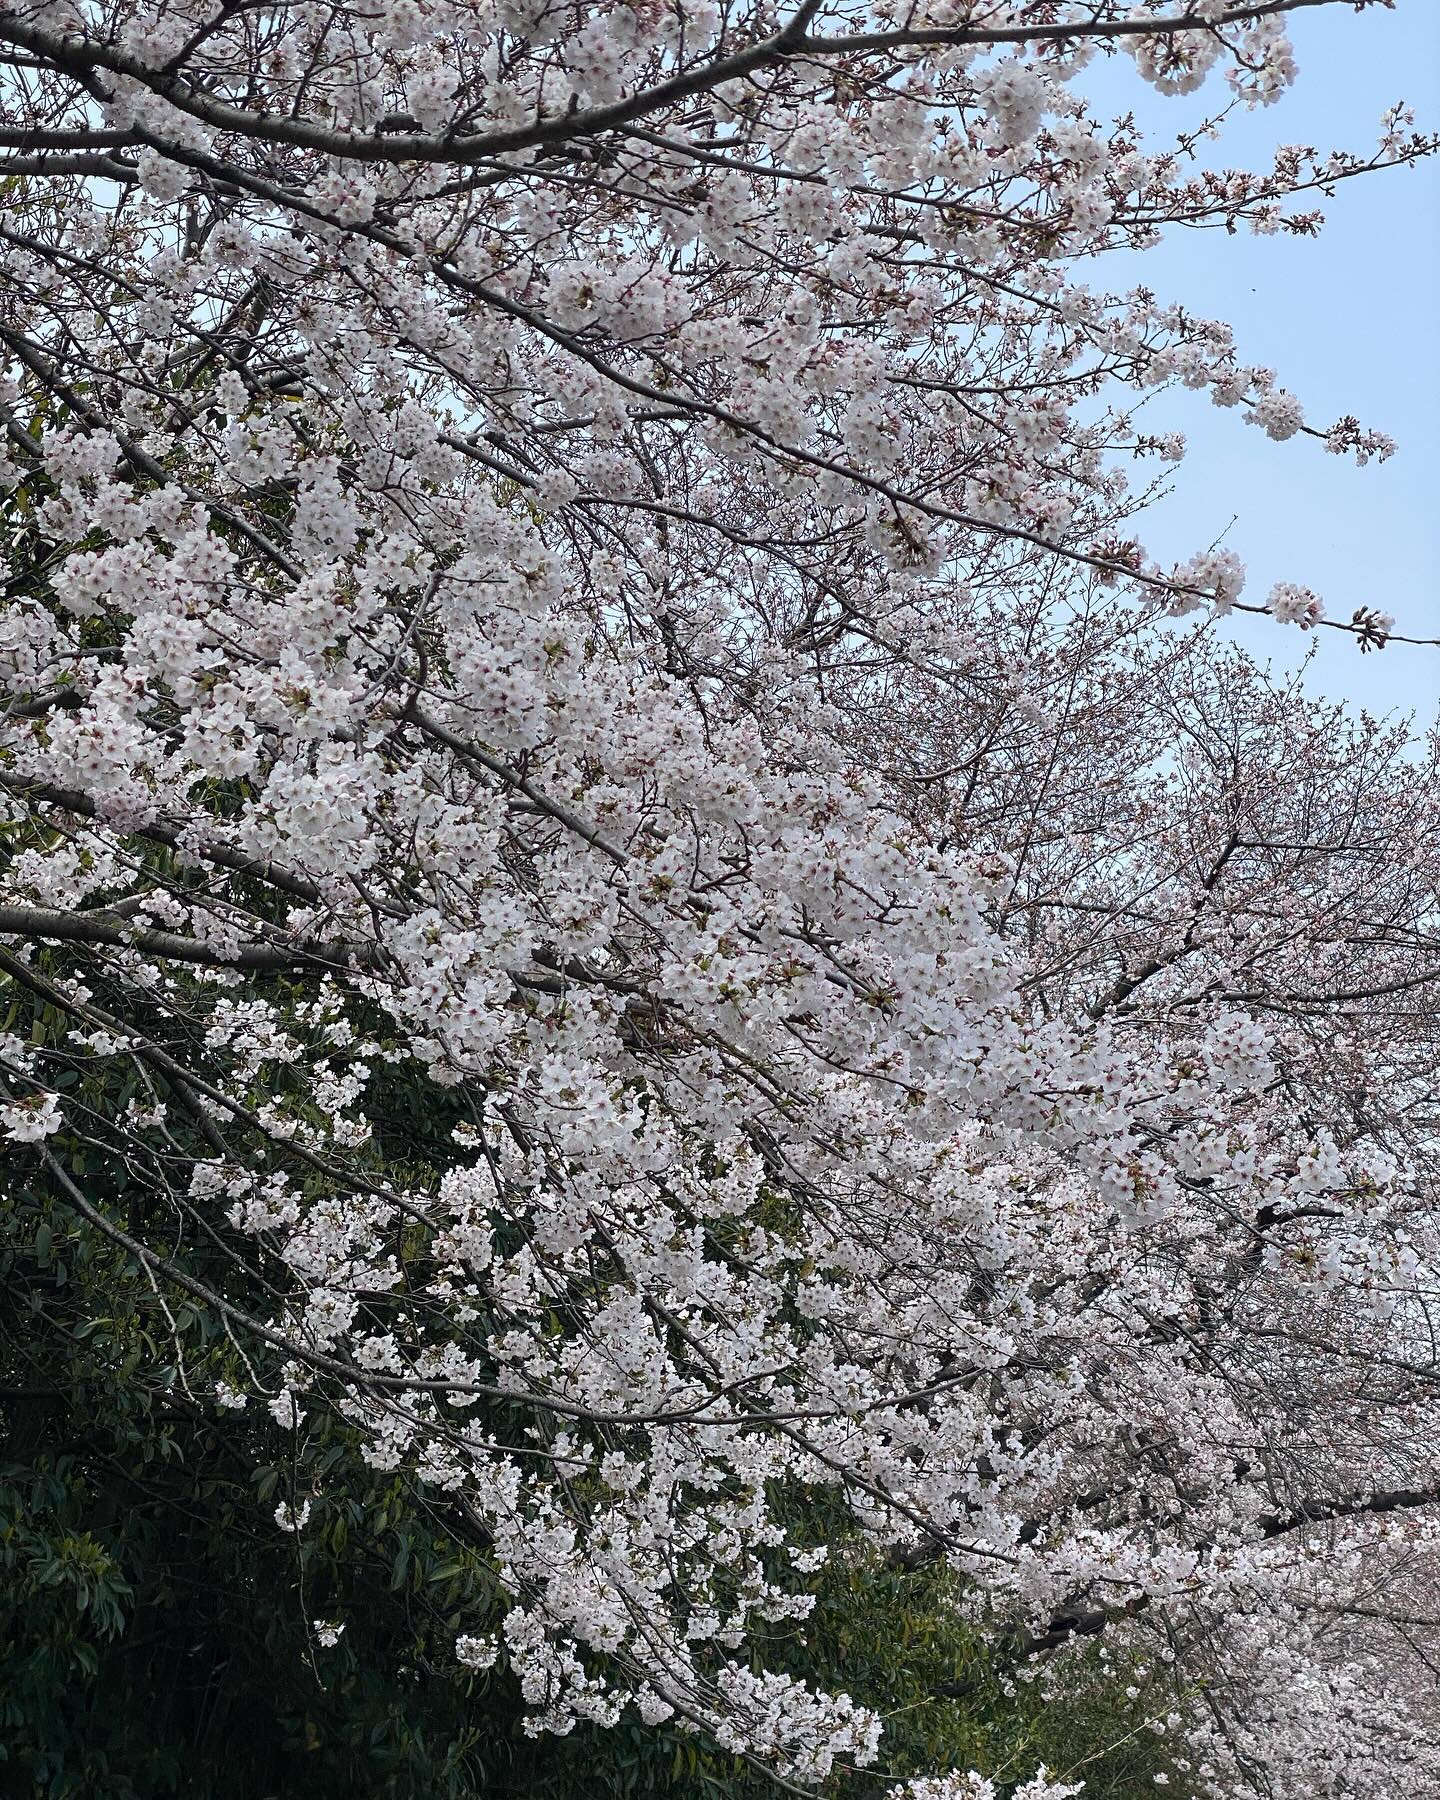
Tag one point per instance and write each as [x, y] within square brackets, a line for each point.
[1351, 323]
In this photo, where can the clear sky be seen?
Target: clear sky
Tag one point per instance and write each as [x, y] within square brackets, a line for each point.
[1351, 323]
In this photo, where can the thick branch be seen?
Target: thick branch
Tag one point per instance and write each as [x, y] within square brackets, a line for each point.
[81, 57]
[100, 928]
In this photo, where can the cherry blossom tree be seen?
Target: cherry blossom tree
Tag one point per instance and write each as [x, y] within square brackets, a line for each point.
[590, 558]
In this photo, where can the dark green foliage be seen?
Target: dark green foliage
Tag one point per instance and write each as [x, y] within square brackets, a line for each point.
[155, 1623]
